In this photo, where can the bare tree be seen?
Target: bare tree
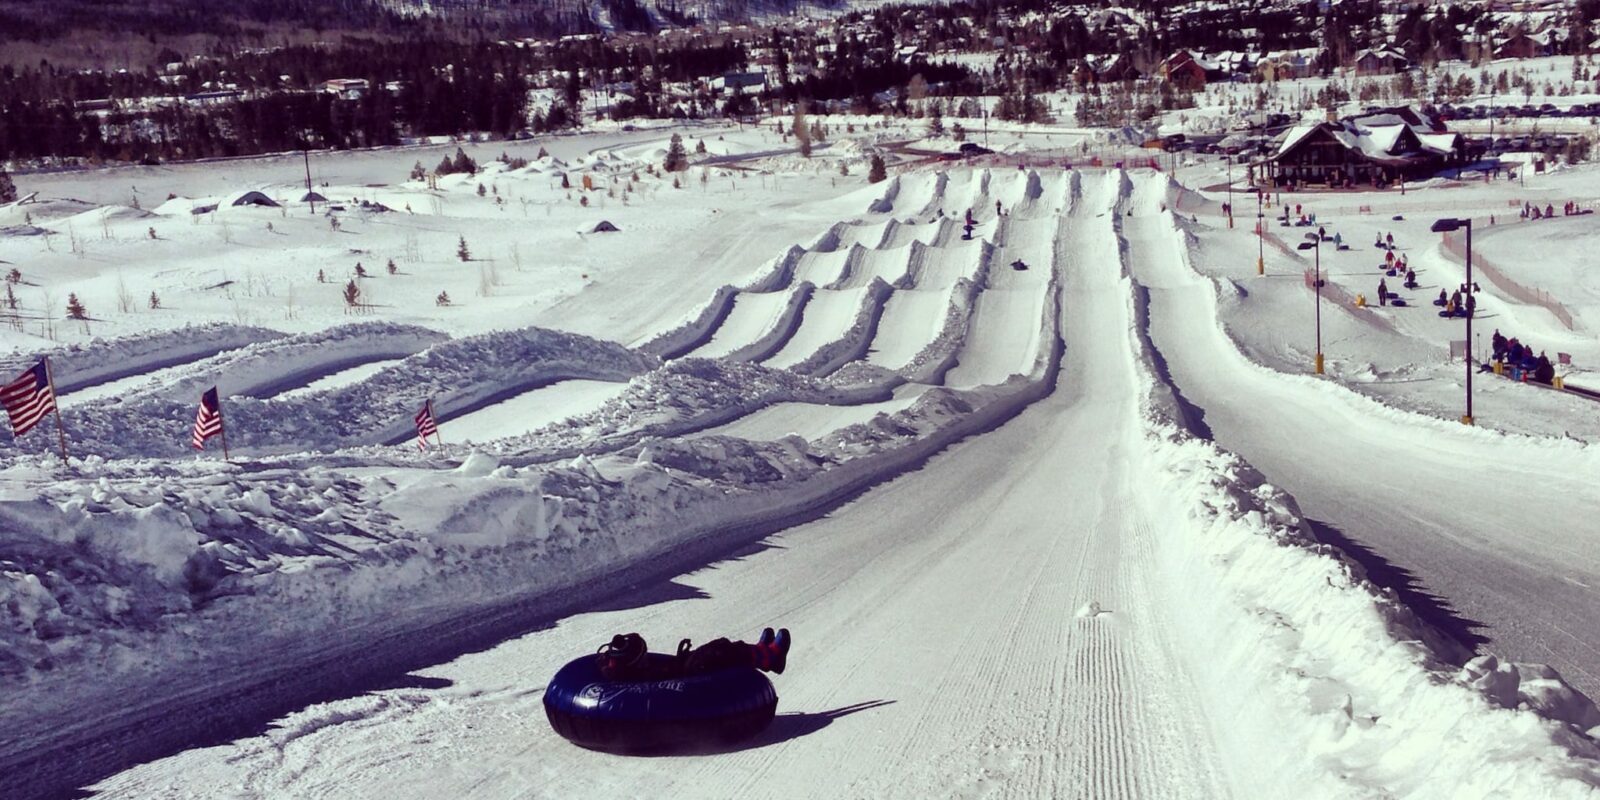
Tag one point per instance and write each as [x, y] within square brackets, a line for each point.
[802, 132]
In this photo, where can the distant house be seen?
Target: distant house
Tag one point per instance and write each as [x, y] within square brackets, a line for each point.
[1105, 68]
[214, 97]
[345, 88]
[1374, 149]
[1522, 45]
[1379, 62]
[740, 80]
[1182, 71]
[1286, 66]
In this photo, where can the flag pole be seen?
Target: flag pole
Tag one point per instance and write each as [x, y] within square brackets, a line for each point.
[437, 435]
[222, 428]
[61, 430]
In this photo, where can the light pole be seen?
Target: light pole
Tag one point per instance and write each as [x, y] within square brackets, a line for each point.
[1314, 242]
[1229, 159]
[1446, 226]
[1261, 236]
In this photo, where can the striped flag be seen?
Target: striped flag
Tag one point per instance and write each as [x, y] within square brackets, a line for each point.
[208, 420]
[426, 426]
[29, 398]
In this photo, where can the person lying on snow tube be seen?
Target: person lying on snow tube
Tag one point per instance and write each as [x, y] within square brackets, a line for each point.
[624, 658]
[626, 699]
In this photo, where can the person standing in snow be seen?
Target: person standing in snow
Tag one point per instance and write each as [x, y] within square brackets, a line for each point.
[1389, 238]
[1497, 344]
[1383, 292]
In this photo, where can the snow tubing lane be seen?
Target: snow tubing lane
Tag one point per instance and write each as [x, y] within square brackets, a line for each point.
[692, 712]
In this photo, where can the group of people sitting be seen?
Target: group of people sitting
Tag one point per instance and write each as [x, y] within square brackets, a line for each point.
[1520, 360]
[1454, 305]
[1568, 209]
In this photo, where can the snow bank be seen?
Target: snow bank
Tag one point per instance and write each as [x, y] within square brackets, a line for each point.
[781, 329]
[939, 356]
[696, 329]
[1308, 656]
[688, 395]
[885, 203]
[265, 369]
[100, 361]
[856, 340]
[459, 376]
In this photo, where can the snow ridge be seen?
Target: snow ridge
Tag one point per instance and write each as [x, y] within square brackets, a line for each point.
[1303, 641]
[100, 361]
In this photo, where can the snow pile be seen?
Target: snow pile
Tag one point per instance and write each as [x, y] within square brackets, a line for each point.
[265, 369]
[688, 395]
[1339, 667]
[80, 366]
[459, 376]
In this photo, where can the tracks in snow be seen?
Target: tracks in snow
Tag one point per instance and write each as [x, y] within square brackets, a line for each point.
[937, 652]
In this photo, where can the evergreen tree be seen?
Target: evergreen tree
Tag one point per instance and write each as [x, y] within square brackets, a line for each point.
[461, 250]
[935, 121]
[878, 171]
[677, 158]
[352, 294]
[155, 302]
[75, 309]
[8, 189]
[391, 267]
[442, 300]
[700, 147]
[463, 163]
[418, 172]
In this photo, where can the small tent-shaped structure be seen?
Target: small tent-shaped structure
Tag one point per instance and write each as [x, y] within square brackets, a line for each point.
[313, 197]
[605, 226]
[248, 198]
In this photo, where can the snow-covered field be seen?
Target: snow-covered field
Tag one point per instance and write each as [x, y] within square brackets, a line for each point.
[1051, 506]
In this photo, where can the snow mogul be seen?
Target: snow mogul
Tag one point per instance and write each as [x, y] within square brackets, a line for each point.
[627, 699]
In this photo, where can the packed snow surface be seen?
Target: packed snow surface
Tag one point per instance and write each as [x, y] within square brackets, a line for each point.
[1057, 471]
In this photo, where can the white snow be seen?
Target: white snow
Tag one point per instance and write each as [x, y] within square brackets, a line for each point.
[1032, 523]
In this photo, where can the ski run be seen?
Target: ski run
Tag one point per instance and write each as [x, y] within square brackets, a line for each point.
[1025, 452]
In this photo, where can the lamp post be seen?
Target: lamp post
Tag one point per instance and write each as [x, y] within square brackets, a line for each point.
[1261, 236]
[1446, 226]
[1314, 242]
[1229, 159]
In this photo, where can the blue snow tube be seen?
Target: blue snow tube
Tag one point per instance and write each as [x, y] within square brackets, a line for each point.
[710, 710]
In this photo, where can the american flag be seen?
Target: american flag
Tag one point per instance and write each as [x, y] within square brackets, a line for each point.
[426, 426]
[29, 398]
[208, 421]
[1564, 358]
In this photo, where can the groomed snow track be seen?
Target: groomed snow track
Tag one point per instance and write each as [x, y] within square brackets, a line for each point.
[1005, 584]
